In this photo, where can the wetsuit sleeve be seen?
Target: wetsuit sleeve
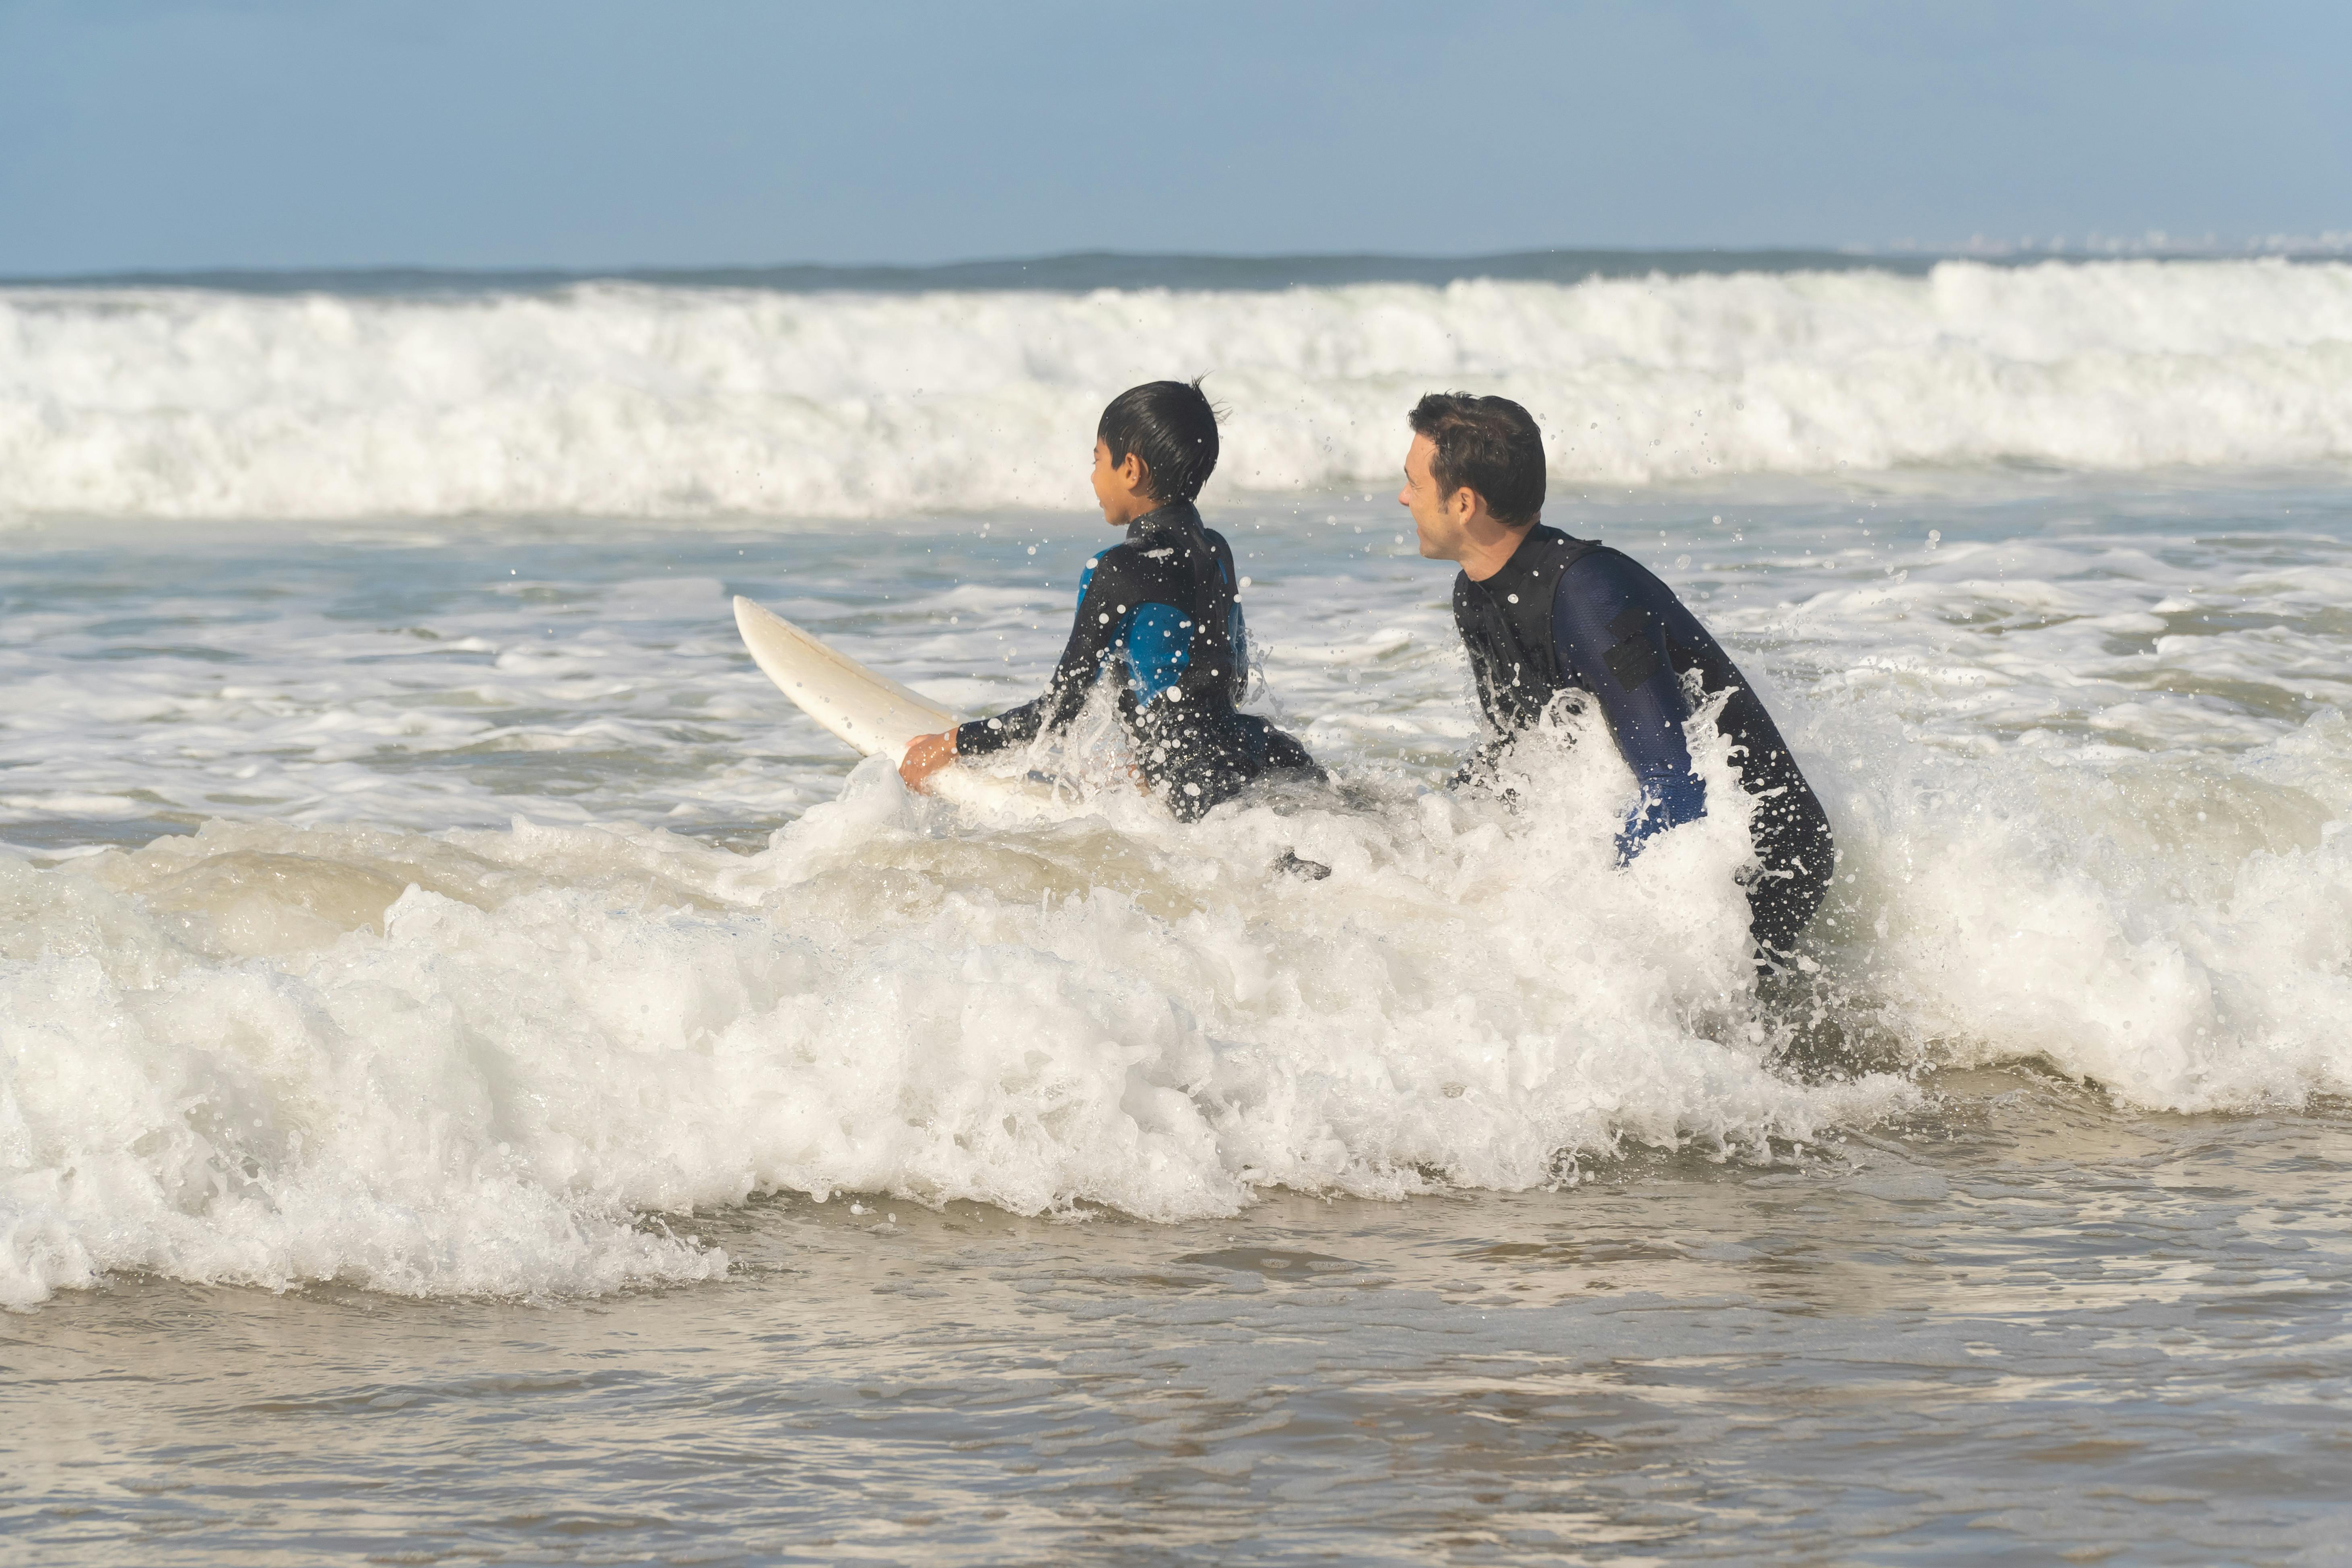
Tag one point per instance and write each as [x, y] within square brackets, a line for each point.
[1103, 602]
[1236, 624]
[1608, 629]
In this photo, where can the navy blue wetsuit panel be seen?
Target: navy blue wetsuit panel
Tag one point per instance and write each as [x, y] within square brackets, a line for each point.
[1610, 623]
[1572, 614]
[1631, 641]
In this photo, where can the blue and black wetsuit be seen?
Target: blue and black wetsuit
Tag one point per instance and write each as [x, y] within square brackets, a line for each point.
[1574, 614]
[1159, 609]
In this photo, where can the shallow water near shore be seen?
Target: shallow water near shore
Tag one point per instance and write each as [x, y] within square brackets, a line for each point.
[442, 978]
[2019, 1326]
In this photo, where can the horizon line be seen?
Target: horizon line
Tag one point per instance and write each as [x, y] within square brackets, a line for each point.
[1107, 267]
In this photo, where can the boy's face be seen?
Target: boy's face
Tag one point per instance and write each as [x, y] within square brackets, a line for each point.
[1122, 489]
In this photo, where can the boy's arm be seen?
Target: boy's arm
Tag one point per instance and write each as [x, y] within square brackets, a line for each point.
[1104, 603]
[1608, 635]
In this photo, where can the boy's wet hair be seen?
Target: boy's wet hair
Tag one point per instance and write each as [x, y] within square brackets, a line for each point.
[1489, 444]
[1170, 426]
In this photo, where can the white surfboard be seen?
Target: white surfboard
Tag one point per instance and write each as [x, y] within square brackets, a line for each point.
[872, 712]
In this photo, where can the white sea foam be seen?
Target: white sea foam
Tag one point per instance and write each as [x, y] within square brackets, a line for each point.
[637, 399]
[461, 1064]
[2085, 757]
[466, 1062]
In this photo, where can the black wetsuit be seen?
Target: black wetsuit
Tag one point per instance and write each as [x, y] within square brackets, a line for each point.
[1572, 614]
[1160, 609]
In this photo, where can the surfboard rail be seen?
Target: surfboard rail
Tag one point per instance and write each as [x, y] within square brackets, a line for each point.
[871, 712]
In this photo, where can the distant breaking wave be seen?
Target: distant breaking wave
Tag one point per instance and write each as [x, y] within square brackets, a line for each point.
[651, 399]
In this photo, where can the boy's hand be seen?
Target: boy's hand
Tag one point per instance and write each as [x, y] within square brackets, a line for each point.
[926, 754]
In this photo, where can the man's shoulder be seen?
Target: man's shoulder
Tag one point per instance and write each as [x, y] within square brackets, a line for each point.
[1608, 582]
[1602, 565]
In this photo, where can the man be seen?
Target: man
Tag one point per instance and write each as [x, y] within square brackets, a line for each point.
[1541, 614]
[1158, 612]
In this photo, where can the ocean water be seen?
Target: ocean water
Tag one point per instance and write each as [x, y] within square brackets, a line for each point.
[482, 1079]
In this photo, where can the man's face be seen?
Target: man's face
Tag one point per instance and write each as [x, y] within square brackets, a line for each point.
[1440, 521]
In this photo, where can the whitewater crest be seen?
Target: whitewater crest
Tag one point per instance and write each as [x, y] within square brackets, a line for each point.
[637, 399]
[521, 1061]
[473, 1062]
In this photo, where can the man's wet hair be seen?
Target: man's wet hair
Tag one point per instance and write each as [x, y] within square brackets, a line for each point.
[1489, 444]
[1170, 426]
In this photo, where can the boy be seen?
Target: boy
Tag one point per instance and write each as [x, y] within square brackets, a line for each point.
[1160, 611]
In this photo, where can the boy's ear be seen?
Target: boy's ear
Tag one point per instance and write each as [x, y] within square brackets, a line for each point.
[1136, 474]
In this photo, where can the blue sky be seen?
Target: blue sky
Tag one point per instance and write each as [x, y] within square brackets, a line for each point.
[176, 133]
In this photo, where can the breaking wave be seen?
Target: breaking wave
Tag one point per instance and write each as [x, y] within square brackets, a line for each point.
[622, 399]
[519, 1061]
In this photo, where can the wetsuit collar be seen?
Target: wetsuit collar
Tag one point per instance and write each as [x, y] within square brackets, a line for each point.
[1176, 516]
[1533, 540]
